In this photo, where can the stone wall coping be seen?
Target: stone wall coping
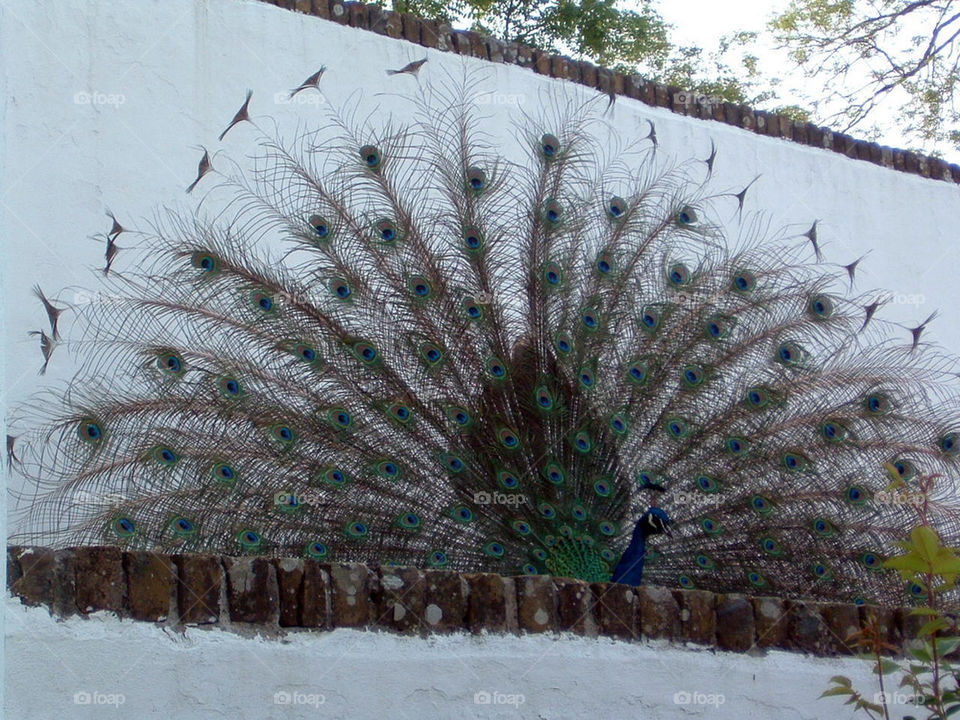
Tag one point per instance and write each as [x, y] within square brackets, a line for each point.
[273, 595]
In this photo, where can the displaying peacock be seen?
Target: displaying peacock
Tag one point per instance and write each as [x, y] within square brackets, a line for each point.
[560, 363]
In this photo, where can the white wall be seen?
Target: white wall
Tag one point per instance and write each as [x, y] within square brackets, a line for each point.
[105, 103]
[146, 671]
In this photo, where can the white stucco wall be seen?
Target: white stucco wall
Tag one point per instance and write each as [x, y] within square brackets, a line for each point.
[140, 670]
[105, 104]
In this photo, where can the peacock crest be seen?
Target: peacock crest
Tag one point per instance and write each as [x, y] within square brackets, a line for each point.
[395, 345]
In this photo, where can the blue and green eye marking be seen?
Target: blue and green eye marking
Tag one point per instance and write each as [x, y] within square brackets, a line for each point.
[322, 229]
[616, 208]
[459, 416]
[496, 368]
[356, 530]
[552, 213]
[693, 376]
[230, 387]
[171, 363]
[419, 287]
[771, 546]
[820, 307]
[206, 262]
[790, 354]
[473, 240]
[591, 319]
[507, 479]
[340, 418]
[710, 526]
[371, 157]
[476, 180]
[431, 353]
[462, 514]
[262, 301]
[333, 476]
[164, 456]
[761, 505]
[385, 231]
[737, 445]
[638, 371]
[124, 527]
[563, 343]
[549, 147]
[400, 413]
[794, 461]
[678, 428]
[388, 469]
[872, 561]
[686, 216]
[604, 264]
[821, 571]
[856, 495]
[305, 352]
[366, 352]
[708, 484]
[949, 444]
[437, 559]
[651, 318]
[718, 327]
[408, 521]
[316, 550]
[91, 431]
[554, 473]
[877, 404]
[182, 526]
[823, 528]
[249, 540]
[833, 431]
[743, 281]
[283, 434]
[224, 474]
[678, 275]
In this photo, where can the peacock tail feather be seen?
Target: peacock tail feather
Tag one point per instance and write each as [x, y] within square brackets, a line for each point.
[466, 361]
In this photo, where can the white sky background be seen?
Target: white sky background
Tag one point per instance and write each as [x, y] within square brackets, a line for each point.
[701, 23]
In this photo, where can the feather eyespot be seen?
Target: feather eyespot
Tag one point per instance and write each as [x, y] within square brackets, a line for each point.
[183, 527]
[877, 404]
[718, 327]
[744, 281]
[590, 318]
[409, 521]
[582, 442]
[431, 354]
[371, 157]
[707, 484]
[164, 456]
[124, 526]
[90, 431]
[224, 474]
[385, 231]
[602, 488]
[476, 179]
[321, 228]
[616, 207]
[366, 352]
[496, 368]
[678, 428]
[554, 473]
[563, 343]
[305, 352]
[686, 216]
[507, 480]
[549, 146]
[494, 549]
[472, 239]
[229, 387]
[171, 363]
[553, 274]
[206, 262]
[437, 559]
[249, 540]
[950, 444]
[462, 514]
[356, 530]
[316, 550]
[793, 461]
[553, 212]
[678, 275]
[419, 287]
[262, 301]
[820, 307]
[472, 309]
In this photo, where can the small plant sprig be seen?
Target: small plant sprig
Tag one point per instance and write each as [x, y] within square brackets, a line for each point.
[930, 569]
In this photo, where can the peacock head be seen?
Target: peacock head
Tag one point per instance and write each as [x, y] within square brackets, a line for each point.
[654, 522]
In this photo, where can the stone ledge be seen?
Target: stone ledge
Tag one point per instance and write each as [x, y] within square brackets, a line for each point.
[441, 36]
[272, 595]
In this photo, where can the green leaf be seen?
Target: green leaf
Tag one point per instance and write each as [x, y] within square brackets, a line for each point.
[947, 645]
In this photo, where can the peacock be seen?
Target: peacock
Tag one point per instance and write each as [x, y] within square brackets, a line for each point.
[391, 344]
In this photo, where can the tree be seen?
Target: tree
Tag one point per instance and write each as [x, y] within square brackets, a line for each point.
[899, 54]
[631, 39]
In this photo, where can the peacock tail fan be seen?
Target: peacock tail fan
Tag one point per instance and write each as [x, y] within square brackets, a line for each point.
[468, 361]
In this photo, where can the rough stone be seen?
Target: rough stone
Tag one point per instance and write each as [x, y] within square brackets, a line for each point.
[446, 601]
[736, 627]
[808, 631]
[842, 620]
[351, 587]
[617, 610]
[698, 619]
[199, 582]
[575, 607]
[151, 585]
[659, 612]
[536, 604]
[251, 589]
[492, 603]
[316, 596]
[401, 599]
[770, 618]
[100, 582]
[289, 589]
